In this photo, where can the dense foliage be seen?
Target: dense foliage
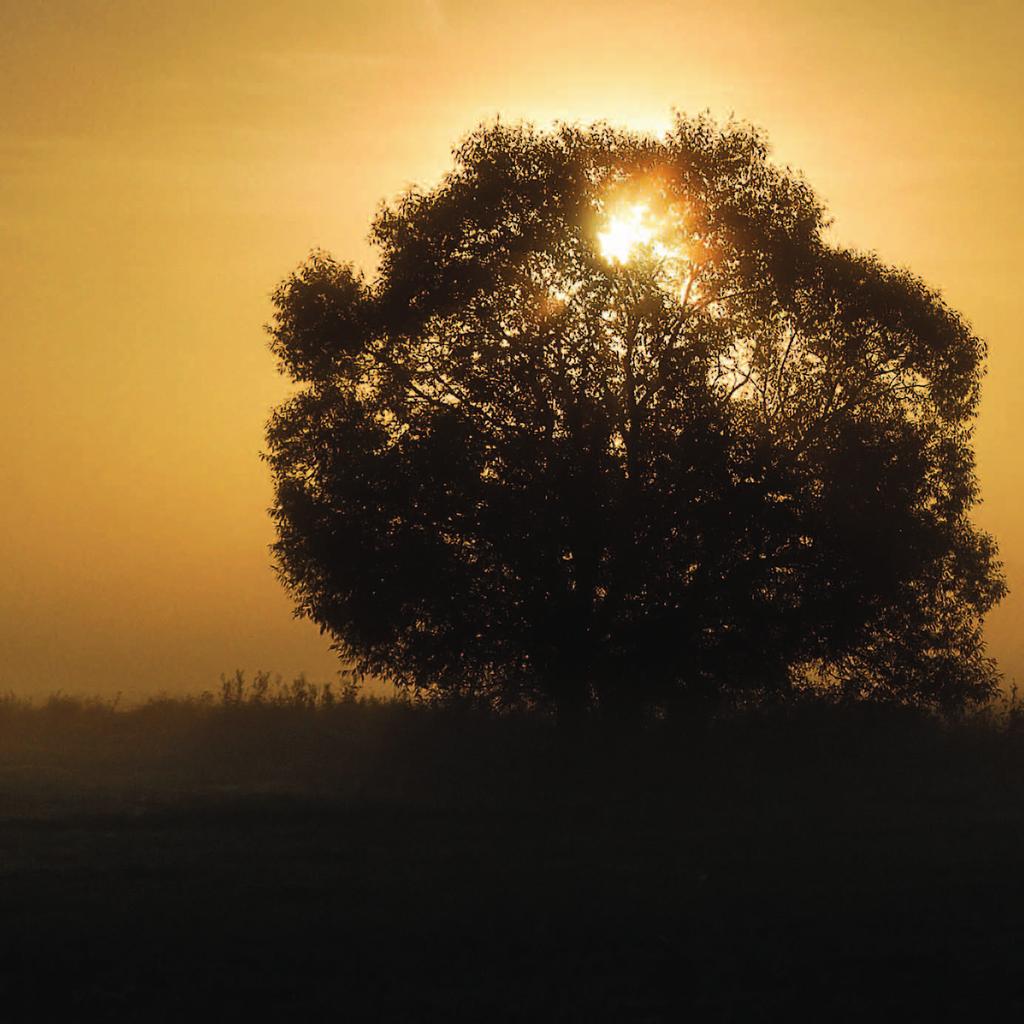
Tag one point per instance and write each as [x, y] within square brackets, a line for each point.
[734, 461]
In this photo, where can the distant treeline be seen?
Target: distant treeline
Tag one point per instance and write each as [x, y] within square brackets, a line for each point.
[298, 737]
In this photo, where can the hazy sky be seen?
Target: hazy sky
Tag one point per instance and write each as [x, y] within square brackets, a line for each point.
[164, 164]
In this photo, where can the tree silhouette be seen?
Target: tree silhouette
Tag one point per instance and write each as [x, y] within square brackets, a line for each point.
[614, 424]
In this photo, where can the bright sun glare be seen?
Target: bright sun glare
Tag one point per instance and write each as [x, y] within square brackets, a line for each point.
[632, 229]
[629, 228]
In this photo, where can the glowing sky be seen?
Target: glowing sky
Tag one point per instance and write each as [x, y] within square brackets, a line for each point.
[163, 165]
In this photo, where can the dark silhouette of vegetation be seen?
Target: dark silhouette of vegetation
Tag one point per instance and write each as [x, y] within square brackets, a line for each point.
[614, 424]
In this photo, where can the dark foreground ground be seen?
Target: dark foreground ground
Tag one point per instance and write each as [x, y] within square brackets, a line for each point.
[193, 861]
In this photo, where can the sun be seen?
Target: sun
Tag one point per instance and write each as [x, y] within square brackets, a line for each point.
[630, 228]
[637, 229]
[633, 230]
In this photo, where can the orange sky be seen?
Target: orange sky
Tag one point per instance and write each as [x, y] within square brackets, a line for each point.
[163, 165]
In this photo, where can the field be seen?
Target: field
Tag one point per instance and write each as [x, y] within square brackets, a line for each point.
[283, 856]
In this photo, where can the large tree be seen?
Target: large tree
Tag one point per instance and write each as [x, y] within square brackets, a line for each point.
[613, 422]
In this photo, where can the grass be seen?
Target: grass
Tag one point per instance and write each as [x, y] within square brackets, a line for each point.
[287, 849]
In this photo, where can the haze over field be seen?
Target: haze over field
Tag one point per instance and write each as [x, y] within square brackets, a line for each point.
[162, 167]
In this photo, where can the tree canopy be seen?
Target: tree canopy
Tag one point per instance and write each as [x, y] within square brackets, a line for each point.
[614, 423]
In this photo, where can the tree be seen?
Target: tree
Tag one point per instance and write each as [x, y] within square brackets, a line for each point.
[614, 424]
